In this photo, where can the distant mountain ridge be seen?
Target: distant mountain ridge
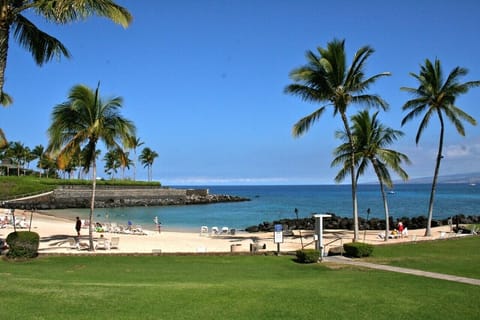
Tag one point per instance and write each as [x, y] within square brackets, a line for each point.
[467, 178]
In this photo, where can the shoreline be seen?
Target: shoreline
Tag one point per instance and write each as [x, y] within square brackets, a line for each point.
[55, 233]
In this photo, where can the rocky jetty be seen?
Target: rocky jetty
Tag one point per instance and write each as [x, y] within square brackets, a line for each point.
[116, 196]
[336, 222]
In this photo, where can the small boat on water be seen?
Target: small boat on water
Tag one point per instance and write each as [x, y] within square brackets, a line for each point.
[391, 192]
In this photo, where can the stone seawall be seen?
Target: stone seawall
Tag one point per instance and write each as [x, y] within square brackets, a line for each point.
[125, 196]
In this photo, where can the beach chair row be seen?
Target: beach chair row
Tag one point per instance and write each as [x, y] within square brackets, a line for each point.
[113, 227]
[215, 231]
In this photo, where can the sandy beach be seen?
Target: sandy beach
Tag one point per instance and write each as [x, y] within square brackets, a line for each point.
[55, 234]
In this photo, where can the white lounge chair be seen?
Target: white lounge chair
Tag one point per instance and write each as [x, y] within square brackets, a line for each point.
[224, 230]
[103, 243]
[75, 244]
[215, 231]
[203, 230]
[114, 242]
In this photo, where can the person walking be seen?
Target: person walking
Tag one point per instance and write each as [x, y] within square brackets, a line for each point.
[78, 226]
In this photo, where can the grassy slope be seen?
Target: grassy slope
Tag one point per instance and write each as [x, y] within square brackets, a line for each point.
[232, 287]
[17, 186]
[457, 256]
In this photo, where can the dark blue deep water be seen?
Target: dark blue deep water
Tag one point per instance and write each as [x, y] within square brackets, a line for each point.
[270, 203]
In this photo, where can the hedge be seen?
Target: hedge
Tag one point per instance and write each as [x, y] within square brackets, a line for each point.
[23, 244]
[357, 249]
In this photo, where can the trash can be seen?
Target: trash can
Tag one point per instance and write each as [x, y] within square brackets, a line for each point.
[235, 247]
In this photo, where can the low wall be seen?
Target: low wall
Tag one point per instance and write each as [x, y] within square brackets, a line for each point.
[120, 196]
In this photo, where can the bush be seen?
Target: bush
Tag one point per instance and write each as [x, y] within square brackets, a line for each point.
[358, 249]
[308, 256]
[23, 244]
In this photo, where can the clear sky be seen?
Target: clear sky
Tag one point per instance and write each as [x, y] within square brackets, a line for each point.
[203, 81]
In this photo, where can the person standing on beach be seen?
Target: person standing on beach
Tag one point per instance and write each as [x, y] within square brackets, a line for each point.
[78, 226]
[157, 223]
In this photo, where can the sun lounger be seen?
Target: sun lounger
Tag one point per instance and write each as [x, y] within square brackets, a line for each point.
[203, 230]
[138, 230]
[74, 244]
[103, 243]
[224, 230]
[114, 242]
[215, 231]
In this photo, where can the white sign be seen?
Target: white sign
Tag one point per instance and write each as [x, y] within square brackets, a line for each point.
[278, 234]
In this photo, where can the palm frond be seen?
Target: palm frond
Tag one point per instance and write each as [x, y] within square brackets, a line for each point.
[64, 11]
[5, 99]
[42, 46]
[305, 123]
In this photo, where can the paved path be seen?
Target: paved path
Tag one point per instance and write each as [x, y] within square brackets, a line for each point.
[344, 260]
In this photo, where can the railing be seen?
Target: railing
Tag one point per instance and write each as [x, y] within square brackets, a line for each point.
[25, 196]
[335, 240]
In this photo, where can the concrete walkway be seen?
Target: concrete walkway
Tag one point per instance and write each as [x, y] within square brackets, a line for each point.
[344, 260]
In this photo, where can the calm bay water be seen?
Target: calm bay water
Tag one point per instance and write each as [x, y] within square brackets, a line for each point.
[270, 203]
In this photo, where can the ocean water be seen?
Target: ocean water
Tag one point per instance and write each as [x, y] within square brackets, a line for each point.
[270, 203]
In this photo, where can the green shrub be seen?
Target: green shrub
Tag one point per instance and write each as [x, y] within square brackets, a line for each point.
[23, 244]
[358, 249]
[308, 256]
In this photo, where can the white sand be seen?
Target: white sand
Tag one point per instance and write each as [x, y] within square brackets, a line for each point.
[54, 234]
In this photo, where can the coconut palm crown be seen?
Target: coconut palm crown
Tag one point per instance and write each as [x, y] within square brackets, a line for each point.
[327, 80]
[435, 98]
[41, 45]
[82, 122]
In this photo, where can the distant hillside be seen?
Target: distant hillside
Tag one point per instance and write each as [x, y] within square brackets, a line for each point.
[473, 177]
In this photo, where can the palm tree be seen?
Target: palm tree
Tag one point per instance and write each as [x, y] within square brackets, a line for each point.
[37, 153]
[371, 140]
[111, 163]
[42, 46]
[326, 79]
[436, 96]
[133, 143]
[84, 120]
[16, 153]
[147, 157]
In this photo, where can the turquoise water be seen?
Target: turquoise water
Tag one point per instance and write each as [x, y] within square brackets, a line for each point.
[270, 203]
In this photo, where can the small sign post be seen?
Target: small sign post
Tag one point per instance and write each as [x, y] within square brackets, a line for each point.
[319, 232]
[278, 236]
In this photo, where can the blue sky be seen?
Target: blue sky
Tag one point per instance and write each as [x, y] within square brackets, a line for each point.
[203, 81]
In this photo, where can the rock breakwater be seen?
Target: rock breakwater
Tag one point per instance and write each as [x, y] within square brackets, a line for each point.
[116, 196]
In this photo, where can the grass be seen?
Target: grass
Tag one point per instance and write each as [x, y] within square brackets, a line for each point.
[456, 256]
[12, 186]
[232, 287]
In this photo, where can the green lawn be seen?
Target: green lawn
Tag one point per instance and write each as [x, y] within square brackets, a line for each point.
[229, 287]
[455, 256]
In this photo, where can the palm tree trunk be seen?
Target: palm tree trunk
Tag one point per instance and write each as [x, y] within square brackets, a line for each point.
[92, 203]
[385, 203]
[354, 180]
[428, 230]
[4, 35]
[134, 164]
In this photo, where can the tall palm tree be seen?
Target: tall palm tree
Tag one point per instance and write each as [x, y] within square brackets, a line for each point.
[85, 120]
[147, 157]
[326, 79]
[37, 152]
[133, 143]
[42, 46]
[371, 142]
[436, 96]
